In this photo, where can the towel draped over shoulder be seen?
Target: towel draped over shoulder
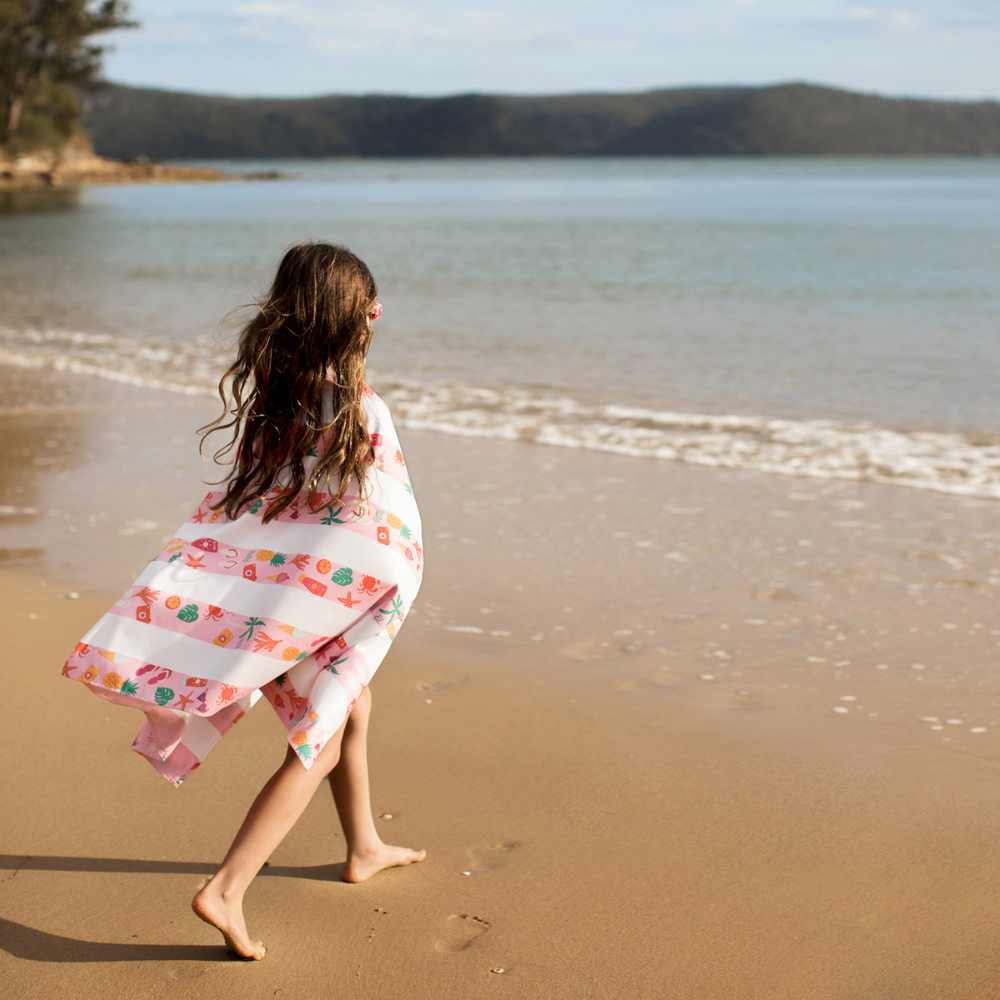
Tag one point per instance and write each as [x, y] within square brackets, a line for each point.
[300, 610]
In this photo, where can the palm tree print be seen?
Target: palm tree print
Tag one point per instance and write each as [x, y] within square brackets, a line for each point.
[332, 667]
[251, 624]
[394, 610]
[331, 515]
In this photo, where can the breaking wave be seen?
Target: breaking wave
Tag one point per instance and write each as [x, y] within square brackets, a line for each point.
[965, 463]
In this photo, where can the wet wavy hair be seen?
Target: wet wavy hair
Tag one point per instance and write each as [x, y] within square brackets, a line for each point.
[314, 323]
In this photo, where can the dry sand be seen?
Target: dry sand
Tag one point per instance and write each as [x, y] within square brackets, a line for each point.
[666, 732]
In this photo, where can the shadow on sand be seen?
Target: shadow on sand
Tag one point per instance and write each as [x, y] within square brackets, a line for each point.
[39, 946]
[130, 866]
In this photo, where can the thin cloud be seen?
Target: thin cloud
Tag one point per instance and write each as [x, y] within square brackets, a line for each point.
[354, 27]
[293, 47]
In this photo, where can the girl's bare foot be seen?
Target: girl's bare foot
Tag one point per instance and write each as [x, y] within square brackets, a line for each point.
[364, 864]
[226, 916]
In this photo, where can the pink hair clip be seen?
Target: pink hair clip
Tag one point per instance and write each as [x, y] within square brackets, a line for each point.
[376, 311]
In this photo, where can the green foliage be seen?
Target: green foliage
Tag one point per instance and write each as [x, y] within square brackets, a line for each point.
[331, 515]
[45, 49]
[783, 120]
[332, 667]
[129, 688]
[163, 696]
[189, 613]
[344, 576]
[251, 624]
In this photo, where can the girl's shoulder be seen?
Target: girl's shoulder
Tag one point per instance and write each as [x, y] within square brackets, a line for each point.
[373, 404]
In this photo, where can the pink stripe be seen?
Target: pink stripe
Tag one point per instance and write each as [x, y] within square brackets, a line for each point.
[332, 581]
[108, 672]
[177, 767]
[390, 461]
[227, 718]
[307, 731]
[372, 523]
[225, 629]
[352, 673]
[289, 705]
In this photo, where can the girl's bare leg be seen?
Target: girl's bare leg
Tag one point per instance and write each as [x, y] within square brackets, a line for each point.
[366, 854]
[274, 812]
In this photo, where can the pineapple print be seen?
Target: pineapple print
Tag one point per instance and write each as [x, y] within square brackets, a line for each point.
[393, 521]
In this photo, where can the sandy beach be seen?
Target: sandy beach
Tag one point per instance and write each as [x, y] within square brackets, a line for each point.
[664, 731]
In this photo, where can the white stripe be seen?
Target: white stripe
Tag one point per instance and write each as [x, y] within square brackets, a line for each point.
[385, 493]
[397, 500]
[200, 736]
[182, 653]
[289, 605]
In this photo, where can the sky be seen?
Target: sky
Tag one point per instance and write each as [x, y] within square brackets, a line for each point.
[924, 48]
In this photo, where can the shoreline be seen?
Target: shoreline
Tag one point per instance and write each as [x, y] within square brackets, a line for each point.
[41, 171]
[72, 168]
[960, 461]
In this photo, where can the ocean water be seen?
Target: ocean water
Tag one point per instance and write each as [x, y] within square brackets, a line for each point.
[835, 318]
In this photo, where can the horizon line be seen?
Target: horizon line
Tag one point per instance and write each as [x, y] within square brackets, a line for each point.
[554, 94]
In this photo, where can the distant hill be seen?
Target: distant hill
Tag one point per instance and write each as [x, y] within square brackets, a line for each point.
[793, 119]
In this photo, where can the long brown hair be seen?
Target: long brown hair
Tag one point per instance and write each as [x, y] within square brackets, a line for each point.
[313, 323]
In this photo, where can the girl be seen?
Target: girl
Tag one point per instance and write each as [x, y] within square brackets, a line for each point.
[289, 583]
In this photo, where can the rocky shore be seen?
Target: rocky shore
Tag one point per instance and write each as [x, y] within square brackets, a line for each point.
[60, 169]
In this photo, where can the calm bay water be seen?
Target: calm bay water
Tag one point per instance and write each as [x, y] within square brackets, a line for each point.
[618, 304]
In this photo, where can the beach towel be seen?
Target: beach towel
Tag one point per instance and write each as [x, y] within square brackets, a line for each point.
[300, 610]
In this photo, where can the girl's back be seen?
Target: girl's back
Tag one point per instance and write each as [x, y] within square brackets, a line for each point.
[292, 579]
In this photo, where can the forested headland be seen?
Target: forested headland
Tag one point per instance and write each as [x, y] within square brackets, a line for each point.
[49, 58]
[793, 119]
[48, 53]
[54, 101]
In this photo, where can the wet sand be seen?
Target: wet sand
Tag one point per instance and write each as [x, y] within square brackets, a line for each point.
[665, 732]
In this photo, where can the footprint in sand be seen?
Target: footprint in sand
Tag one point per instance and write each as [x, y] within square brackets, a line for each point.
[490, 857]
[651, 682]
[440, 685]
[462, 929]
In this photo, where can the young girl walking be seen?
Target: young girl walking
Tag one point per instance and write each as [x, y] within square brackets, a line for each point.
[289, 582]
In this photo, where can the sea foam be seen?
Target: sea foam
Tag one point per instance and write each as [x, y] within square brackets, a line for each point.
[947, 461]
